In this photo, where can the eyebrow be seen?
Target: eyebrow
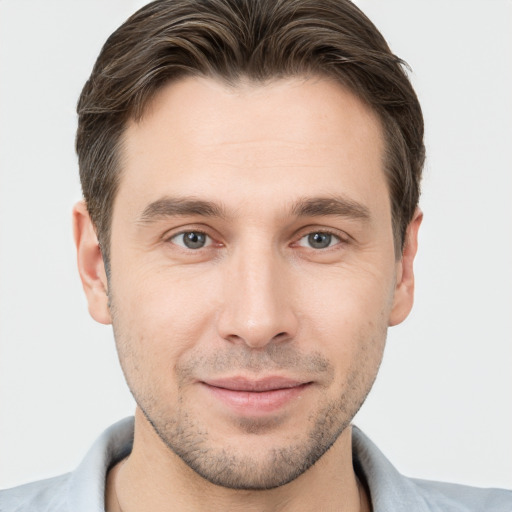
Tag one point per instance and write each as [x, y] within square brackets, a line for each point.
[182, 206]
[326, 206]
[305, 207]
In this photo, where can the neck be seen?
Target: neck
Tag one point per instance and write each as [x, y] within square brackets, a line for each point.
[154, 478]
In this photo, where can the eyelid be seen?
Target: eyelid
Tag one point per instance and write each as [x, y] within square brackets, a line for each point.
[185, 228]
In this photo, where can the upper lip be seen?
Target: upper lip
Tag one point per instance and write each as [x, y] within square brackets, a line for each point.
[257, 385]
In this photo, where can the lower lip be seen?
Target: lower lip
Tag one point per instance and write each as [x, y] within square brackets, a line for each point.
[251, 402]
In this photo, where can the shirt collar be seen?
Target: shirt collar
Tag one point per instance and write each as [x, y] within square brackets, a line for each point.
[389, 490]
[86, 487]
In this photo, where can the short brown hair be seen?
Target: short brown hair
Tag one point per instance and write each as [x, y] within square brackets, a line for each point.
[255, 39]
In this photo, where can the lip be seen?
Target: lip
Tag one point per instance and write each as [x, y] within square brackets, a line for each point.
[256, 396]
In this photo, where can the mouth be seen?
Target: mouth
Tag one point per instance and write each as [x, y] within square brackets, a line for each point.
[254, 397]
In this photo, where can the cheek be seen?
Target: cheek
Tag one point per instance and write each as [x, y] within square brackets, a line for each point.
[348, 299]
[163, 302]
[156, 320]
[349, 315]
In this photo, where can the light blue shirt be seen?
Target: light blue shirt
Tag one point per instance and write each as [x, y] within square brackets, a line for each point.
[83, 490]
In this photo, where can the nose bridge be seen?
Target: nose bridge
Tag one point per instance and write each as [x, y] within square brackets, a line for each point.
[257, 306]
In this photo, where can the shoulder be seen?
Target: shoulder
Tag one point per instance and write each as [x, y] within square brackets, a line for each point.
[40, 496]
[463, 498]
[82, 490]
[393, 492]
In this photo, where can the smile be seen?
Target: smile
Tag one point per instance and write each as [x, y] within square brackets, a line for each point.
[256, 397]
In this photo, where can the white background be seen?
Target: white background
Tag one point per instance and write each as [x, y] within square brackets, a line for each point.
[441, 407]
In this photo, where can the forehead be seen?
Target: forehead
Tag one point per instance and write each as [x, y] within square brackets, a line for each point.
[201, 136]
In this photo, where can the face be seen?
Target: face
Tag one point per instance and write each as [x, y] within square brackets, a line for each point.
[253, 275]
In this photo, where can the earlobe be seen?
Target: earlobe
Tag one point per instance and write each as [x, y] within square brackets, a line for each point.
[404, 290]
[90, 264]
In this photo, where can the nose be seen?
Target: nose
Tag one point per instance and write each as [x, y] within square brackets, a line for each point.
[257, 307]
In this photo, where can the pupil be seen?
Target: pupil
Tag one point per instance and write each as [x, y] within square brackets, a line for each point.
[194, 240]
[319, 240]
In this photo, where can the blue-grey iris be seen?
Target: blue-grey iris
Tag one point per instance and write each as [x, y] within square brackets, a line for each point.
[194, 240]
[319, 240]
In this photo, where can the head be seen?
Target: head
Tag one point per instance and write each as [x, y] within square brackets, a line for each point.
[251, 170]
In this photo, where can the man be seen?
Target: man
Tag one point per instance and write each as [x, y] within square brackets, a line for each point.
[251, 178]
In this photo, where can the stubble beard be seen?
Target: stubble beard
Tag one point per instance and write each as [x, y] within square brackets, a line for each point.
[226, 466]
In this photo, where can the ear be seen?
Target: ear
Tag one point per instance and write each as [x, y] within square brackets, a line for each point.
[404, 290]
[90, 264]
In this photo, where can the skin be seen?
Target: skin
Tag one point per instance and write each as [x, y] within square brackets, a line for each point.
[258, 300]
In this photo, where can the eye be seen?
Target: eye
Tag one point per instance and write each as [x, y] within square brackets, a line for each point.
[319, 240]
[192, 240]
